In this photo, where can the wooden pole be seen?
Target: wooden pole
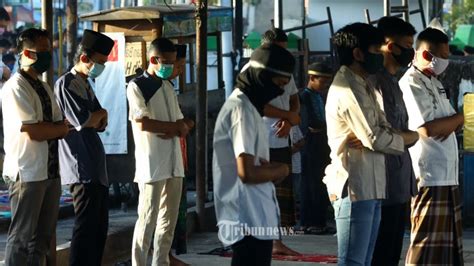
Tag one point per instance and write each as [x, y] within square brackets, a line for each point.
[201, 111]
[47, 24]
[60, 46]
[71, 18]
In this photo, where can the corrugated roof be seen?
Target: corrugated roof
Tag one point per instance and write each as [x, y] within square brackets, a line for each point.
[145, 12]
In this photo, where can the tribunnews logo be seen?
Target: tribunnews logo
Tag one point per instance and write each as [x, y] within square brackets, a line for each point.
[231, 230]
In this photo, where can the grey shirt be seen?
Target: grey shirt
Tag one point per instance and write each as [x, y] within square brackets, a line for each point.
[401, 182]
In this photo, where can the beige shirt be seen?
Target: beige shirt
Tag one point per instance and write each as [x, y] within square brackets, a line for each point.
[352, 107]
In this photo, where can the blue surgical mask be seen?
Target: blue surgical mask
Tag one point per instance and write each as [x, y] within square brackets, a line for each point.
[96, 70]
[165, 71]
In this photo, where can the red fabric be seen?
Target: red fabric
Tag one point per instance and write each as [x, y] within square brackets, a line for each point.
[325, 259]
[183, 152]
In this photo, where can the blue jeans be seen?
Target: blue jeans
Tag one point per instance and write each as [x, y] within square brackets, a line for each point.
[357, 228]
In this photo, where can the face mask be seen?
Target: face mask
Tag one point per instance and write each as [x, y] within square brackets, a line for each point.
[405, 57]
[43, 62]
[438, 65]
[11, 66]
[165, 71]
[96, 70]
[372, 62]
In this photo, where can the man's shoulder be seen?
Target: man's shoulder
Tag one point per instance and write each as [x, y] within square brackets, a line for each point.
[15, 82]
[145, 80]
[411, 77]
[66, 80]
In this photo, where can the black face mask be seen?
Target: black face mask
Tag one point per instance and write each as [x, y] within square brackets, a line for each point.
[405, 57]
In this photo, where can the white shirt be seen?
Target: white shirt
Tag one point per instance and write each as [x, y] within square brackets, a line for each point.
[240, 129]
[296, 135]
[281, 102]
[435, 162]
[156, 158]
[352, 106]
[21, 105]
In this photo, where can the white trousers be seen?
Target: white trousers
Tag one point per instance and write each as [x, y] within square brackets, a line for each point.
[158, 206]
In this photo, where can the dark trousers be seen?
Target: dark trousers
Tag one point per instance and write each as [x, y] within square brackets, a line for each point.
[90, 225]
[388, 247]
[35, 208]
[284, 190]
[314, 195]
[251, 251]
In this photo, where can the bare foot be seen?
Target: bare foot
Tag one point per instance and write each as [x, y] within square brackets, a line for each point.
[281, 249]
[174, 261]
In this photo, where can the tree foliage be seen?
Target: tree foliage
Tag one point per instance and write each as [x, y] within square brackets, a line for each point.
[460, 14]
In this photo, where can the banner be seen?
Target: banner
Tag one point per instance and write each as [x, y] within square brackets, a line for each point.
[111, 92]
[469, 122]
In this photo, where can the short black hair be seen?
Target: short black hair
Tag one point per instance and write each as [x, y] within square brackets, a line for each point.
[4, 14]
[395, 27]
[4, 43]
[469, 49]
[356, 35]
[80, 51]
[162, 45]
[274, 35]
[28, 38]
[431, 36]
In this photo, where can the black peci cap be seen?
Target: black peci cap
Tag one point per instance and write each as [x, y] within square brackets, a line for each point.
[97, 42]
[320, 69]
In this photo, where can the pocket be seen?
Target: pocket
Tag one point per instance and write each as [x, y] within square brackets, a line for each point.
[336, 205]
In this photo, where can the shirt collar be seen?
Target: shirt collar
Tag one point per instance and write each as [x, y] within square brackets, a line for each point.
[84, 81]
[347, 71]
[428, 81]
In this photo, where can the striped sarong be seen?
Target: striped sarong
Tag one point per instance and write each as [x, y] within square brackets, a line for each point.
[436, 227]
[284, 190]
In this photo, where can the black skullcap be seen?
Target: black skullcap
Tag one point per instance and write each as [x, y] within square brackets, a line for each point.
[97, 42]
[320, 69]
[274, 59]
[469, 49]
[180, 51]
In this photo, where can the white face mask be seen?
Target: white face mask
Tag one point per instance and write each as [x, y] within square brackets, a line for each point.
[438, 65]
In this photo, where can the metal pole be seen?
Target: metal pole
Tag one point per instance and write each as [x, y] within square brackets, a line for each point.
[201, 110]
[227, 62]
[303, 11]
[386, 7]
[238, 27]
[278, 15]
[367, 16]
[406, 12]
[71, 20]
[47, 24]
[422, 12]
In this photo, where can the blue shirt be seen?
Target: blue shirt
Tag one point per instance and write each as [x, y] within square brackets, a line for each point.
[81, 152]
[312, 110]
